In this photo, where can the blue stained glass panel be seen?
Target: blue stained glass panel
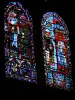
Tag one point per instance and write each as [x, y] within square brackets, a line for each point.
[19, 44]
[56, 47]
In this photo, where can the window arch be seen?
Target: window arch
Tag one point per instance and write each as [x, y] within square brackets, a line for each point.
[18, 43]
[57, 62]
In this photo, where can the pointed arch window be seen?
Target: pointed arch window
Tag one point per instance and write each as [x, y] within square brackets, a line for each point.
[18, 43]
[57, 62]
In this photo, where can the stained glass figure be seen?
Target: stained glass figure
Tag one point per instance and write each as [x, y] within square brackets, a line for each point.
[18, 43]
[57, 62]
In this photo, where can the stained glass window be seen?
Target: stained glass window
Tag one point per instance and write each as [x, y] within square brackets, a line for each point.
[57, 54]
[18, 43]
